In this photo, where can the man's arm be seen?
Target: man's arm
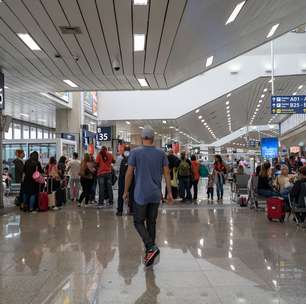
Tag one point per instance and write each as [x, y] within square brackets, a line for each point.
[128, 181]
[166, 172]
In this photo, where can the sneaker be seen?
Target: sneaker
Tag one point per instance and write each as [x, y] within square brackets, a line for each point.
[55, 208]
[150, 256]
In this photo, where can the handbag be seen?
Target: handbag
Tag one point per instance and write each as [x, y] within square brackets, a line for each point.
[38, 178]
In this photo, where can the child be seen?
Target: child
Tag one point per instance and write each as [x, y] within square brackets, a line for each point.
[210, 187]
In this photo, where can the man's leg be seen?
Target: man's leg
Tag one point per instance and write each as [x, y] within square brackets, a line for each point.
[101, 189]
[120, 194]
[140, 213]
[152, 212]
[195, 190]
[188, 184]
[109, 187]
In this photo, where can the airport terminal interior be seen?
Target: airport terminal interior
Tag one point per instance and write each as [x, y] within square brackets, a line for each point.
[153, 151]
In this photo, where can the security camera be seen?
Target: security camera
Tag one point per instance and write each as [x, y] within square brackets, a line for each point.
[76, 58]
[116, 65]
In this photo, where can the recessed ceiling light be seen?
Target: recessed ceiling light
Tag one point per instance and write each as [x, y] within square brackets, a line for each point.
[140, 2]
[71, 83]
[127, 122]
[197, 111]
[228, 111]
[263, 96]
[209, 61]
[265, 90]
[200, 117]
[29, 41]
[295, 93]
[300, 87]
[5, 87]
[235, 12]
[139, 42]
[228, 107]
[202, 120]
[164, 122]
[227, 103]
[229, 95]
[205, 124]
[171, 127]
[25, 115]
[142, 82]
[140, 127]
[260, 101]
[228, 115]
[273, 30]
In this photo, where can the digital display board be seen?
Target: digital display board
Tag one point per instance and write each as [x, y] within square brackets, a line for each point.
[269, 147]
[288, 104]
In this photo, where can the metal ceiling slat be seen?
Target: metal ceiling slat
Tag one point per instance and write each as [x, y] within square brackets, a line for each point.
[90, 14]
[162, 84]
[75, 17]
[70, 68]
[156, 20]
[58, 18]
[140, 25]
[151, 81]
[108, 22]
[25, 18]
[172, 21]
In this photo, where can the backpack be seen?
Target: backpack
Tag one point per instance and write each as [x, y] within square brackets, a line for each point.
[184, 169]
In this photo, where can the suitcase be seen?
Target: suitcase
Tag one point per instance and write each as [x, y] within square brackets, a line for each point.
[60, 197]
[276, 209]
[243, 201]
[43, 204]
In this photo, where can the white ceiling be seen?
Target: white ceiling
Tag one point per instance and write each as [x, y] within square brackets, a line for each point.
[243, 102]
[180, 36]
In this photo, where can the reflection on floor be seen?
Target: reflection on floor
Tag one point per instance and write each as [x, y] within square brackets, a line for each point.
[208, 255]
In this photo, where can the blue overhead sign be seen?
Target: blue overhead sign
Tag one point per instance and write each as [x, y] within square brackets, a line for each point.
[269, 147]
[288, 104]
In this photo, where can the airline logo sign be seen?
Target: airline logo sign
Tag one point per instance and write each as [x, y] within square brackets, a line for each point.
[288, 104]
[2, 104]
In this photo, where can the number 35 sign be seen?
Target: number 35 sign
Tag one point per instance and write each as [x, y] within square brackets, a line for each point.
[104, 134]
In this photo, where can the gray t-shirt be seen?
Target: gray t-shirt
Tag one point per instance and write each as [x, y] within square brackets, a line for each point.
[148, 162]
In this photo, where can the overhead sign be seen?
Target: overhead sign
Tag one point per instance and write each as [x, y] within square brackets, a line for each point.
[288, 104]
[2, 103]
[104, 134]
[269, 147]
[67, 136]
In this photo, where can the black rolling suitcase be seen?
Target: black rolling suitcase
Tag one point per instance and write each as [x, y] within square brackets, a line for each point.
[61, 194]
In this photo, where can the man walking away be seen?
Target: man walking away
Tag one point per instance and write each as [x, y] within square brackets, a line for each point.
[149, 164]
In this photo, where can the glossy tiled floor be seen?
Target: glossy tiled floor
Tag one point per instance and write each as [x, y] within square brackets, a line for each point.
[208, 255]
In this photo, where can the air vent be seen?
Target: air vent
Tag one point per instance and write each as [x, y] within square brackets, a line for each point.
[70, 30]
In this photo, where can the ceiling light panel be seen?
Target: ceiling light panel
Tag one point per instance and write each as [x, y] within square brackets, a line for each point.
[71, 83]
[143, 82]
[235, 12]
[273, 30]
[139, 42]
[29, 41]
[140, 2]
[209, 61]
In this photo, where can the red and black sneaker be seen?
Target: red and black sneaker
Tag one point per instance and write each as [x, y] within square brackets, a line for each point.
[150, 256]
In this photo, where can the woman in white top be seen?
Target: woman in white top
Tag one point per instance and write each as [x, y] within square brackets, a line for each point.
[282, 182]
[74, 167]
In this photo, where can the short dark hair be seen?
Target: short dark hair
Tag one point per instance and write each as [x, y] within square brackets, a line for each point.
[193, 157]
[75, 155]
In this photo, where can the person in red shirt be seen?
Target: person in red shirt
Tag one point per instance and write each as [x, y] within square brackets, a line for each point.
[104, 162]
[195, 169]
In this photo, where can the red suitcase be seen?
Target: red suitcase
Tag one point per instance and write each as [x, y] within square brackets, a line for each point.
[276, 209]
[43, 201]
